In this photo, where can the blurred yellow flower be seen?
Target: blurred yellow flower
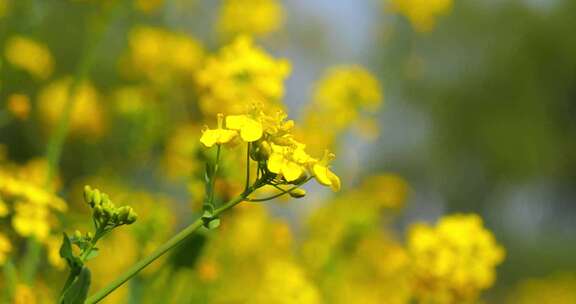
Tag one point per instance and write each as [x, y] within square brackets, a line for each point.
[31, 220]
[19, 106]
[252, 17]
[24, 294]
[86, 117]
[422, 14]
[387, 190]
[240, 74]
[454, 261]
[160, 54]
[5, 248]
[344, 92]
[285, 282]
[29, 55]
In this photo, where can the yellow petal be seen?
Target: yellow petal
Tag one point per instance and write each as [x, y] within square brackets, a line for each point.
[209, 138]
[321, 174]
[235, 122]
[275, 163]
[292, 171]
[334, 181]
[251, 131]
[225, 136]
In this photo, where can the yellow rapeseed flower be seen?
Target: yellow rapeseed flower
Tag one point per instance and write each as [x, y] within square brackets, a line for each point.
[250, 129]
[274, 144]
[454, 261]
[323, 173]
[5, 248]
[30, 56]
[238, 75]
[210, 137]
[344, 92]
[161, 54]
[31, 220]
[252, 17]
[422, 14]
[86, 116]
[285, 282]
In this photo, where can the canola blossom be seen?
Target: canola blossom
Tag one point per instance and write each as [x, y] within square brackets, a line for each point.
[214, 168]
[250, 17]
[30, 56]
[454, 260]
[422, 14]
[279, 155]
[239, 74]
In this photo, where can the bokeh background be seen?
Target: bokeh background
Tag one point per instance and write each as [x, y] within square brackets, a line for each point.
[473, 111]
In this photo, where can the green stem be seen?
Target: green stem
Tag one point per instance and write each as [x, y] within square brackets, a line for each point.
[247, 185]
[173, 242]
[10, 277]
[56, 142]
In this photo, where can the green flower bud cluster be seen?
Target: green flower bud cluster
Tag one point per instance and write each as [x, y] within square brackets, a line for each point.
[106, 215]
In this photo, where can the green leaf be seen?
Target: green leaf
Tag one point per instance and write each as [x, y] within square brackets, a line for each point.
[66, 248]
[66, 253]
[78, 290]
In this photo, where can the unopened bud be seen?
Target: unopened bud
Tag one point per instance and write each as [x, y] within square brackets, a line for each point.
[90, 235]
[123, 213]
[96, 197]
[77, 234]
[298, 193]
[132, 216]
[261, 151]
[88, 192]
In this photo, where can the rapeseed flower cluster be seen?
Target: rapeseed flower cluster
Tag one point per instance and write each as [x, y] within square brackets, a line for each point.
[280, 156]
[422, 14]
[31, 205]
[345, 96]
[239, 74]
[30, 56]
[453, 261]
[86, 116]
[250, 17]
[161, 55]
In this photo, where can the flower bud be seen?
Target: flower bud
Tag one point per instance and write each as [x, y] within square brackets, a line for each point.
[123, 213]
[131, 218]
[261, 151]
[96, 197]
[88, 196]
[297, 193]
[77, 234]
[90, 235]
